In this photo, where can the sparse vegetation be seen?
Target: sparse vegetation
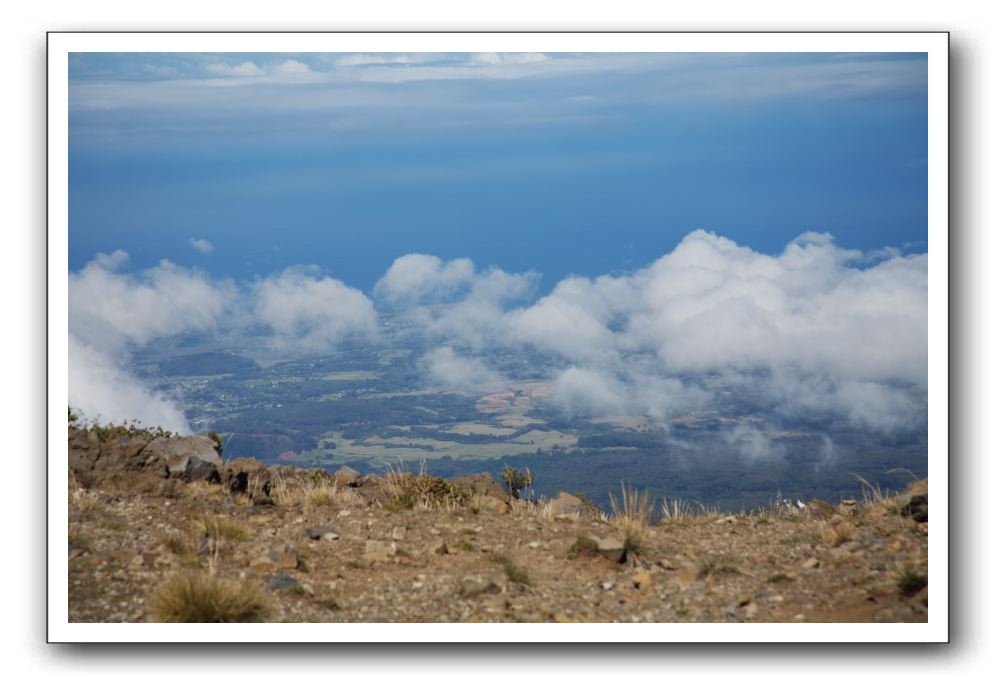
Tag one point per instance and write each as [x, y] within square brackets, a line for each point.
[424, 492]
[132, 429]
[400, 502]
[219, 527]
[712, 567]
[779, 578]
[202, 597]
[583, 547]
[631, 517]
[910, 581]
[85, 501]
[516, 480]
[839, 534]
[512, 571]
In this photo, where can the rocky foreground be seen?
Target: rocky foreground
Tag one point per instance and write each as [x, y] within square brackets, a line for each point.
[162, 529]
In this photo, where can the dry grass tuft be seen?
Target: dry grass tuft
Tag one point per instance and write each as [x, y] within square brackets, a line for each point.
[422, 492]
[203, 491]
[313, 492]
[677, 512]
[839, 534]
[219, 527]
[85, 501]
[910, 581]
[514, 573]
[631, 517]
[201, 597]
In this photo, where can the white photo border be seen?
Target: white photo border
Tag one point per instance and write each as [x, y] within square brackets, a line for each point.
[934, 44]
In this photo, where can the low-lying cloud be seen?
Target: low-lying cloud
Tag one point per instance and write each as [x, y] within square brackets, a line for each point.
[815, 328]
[449, 370]
[311, 313]
[112, 312]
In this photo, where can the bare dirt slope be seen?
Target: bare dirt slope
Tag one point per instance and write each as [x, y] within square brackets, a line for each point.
[152, 535]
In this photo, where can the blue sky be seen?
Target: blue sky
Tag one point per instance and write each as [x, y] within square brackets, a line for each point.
[559, 163]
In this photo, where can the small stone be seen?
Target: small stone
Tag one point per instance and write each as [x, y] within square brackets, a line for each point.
[398, 533]
[607, 585]
[750, 611]
[281, 582]
[916, 508]
[689, 572]
[379, 551]
[263, 564]
[811, 564]
[322, 533]
[609, 547]
[438, 547]
[731, 609]
[347, 476]
[799, 617]
[821, 510]
[642, 580]
[473, 585]
[533, 544]
[566, 507]
[286, 559]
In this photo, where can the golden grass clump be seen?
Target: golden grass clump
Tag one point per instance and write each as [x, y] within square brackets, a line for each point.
[312, 492]
[219, 527]
[631, 517]
[203, 491]
[84, 501]
[839, 534]
[422, 492]
[201, 597]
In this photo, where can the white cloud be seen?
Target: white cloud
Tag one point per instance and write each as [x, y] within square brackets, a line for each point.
[110, 308]
[111, 312]
[244, 69]
[814, 328]
[100, 387]
[375, 59]
[493, 58]
[265, 73]
[447, 369]
[290, 67]
[580, 391]
[417, 277]
[752, 443]
[306, 312]
[202, 245]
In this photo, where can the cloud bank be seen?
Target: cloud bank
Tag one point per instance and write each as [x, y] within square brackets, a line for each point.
[814, 329]
[112, 312]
